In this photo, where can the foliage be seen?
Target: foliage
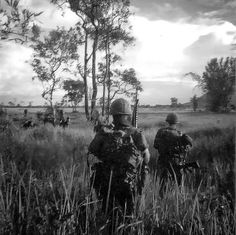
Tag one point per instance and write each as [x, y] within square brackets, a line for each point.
[105, 24]
[174, 102]
[75, 92]
[122, 82]
[52, 56]
[218, 82]
[18, 24]
[44, 187]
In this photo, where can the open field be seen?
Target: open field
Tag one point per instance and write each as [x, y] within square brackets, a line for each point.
[44, 180]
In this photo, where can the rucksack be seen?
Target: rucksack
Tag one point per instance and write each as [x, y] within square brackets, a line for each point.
[120, 149]
[170, 146]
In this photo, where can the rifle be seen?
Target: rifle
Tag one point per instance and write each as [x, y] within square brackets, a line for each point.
[135, 111]
[144, 169]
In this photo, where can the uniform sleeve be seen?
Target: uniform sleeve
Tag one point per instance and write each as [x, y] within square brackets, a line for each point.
[186, 140]
[96, 145]
[140, 140]
[156, 140]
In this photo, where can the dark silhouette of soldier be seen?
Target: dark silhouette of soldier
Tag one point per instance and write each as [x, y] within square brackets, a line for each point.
[122, 150]
[172, 146]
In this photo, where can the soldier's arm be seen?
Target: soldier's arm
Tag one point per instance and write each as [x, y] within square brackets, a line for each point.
[156, 140]
[96, 145]
[187, 140]
[142, 145]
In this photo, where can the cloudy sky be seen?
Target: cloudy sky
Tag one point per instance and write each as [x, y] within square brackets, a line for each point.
[173, 37]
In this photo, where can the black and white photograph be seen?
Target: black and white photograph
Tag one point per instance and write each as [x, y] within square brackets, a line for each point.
[117, 117]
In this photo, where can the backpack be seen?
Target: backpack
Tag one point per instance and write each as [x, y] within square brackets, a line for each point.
[119, 148]
[170, 146]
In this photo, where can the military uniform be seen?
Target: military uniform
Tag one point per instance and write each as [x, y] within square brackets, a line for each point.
[124, 175]
[116, 176]
[172, 146]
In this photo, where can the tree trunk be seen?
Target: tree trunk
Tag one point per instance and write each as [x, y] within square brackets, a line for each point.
[105, 78]
[94, 80]
[108, 82]
[86, 105]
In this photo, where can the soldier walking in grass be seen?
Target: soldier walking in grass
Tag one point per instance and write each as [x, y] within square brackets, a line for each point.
[172, 146]
[122, 151]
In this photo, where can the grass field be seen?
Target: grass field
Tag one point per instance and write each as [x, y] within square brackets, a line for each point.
[44, 180]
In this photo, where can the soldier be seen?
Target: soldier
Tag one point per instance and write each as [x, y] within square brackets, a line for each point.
[122, 150]
[172, 146]
[25, 113]
[29, 124]
[64, 122]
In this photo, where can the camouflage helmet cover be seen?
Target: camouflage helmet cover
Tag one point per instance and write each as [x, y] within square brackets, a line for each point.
[172, 118]
[120, 107]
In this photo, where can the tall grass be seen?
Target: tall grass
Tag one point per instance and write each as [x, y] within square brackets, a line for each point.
[44, 187]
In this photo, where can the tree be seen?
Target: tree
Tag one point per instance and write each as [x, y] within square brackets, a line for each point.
[17, 23]
[75, 92]
[218, 82]
[115, 31]
[87, 12]
[194, 101]
[30, 103]
[103, 22]
[122, 82]
[174, 102]
[52, 57]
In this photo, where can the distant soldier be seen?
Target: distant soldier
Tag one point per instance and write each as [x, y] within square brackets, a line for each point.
[25, 113]
[64, 122]
[49, 116]
[172, 146]
[49, 119]
[122, 151]
[29, 124]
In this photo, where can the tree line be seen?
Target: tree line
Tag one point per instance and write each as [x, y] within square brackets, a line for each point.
[86, 54]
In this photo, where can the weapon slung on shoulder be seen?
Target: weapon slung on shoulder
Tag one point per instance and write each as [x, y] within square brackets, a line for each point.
[135, 111]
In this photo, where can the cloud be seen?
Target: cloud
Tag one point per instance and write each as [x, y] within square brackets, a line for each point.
[16, 74]
[205, 48]
[172, 10]
[166, 50]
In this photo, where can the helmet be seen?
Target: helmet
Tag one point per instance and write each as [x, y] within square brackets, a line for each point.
[172, 118]
[120, 106]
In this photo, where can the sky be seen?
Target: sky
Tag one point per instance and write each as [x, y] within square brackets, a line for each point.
[173, 37]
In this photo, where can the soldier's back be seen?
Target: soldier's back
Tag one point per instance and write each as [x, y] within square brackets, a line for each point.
[167, 140]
